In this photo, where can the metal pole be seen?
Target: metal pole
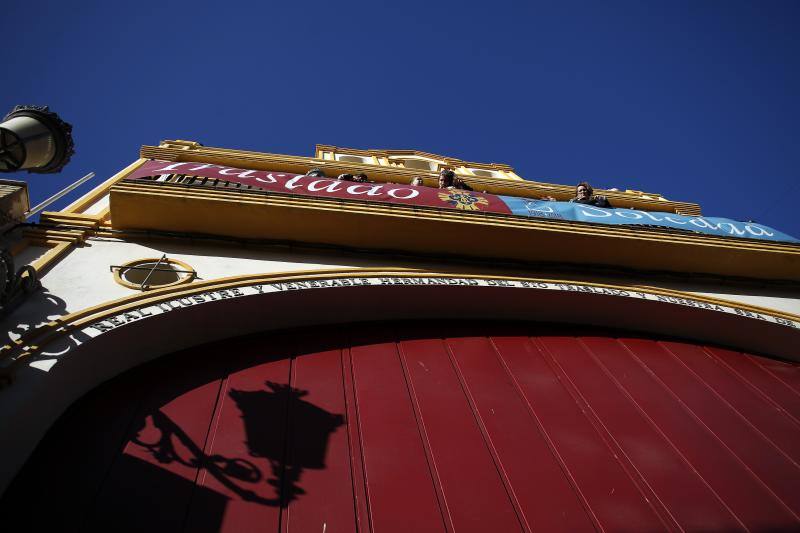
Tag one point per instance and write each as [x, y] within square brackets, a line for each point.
[59, 194]
[144, 283]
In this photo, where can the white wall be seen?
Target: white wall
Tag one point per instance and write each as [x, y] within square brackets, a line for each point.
[82, 278]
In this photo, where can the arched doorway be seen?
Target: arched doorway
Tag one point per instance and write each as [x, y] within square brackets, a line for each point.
[426, 427]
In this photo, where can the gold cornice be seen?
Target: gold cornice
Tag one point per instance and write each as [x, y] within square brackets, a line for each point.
[438, 232]
[73, 219]
[256, 197]
[40, 235]
[169, 151]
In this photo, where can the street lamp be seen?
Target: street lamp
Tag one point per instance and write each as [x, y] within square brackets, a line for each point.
[35, 139]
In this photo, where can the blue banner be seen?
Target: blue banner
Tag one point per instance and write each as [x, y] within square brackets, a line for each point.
[617, 216]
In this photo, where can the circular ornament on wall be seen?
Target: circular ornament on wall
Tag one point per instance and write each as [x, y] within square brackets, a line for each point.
[153, 273]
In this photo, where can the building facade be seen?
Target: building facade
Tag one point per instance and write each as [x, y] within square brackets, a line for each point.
[223, 342]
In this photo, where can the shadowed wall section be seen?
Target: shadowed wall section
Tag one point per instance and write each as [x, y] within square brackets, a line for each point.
[425, 427]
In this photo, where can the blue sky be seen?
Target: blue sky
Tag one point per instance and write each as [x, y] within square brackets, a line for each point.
[695, 100]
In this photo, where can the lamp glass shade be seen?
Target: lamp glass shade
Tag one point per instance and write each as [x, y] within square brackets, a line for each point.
[35, 139]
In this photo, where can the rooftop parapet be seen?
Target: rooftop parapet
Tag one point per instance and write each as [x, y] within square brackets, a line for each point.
[393, 166]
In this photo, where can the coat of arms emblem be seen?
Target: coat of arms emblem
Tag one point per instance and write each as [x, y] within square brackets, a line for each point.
[463, 200]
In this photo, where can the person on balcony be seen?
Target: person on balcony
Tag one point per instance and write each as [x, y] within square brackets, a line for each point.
[448, 180]
[316, 173]
[584, 194]
[358, 178]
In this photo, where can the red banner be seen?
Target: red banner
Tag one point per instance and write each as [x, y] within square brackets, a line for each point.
[284, 182]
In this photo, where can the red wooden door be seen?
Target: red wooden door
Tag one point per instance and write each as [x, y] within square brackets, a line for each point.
[411, 427]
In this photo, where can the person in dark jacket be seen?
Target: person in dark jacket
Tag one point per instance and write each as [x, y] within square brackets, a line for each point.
[584, 194]
[358, 178]
[448, 180]
[315, 173]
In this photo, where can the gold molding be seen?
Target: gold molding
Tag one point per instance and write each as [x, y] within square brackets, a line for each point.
[40, 235]
[35, 340]
[429, 231]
